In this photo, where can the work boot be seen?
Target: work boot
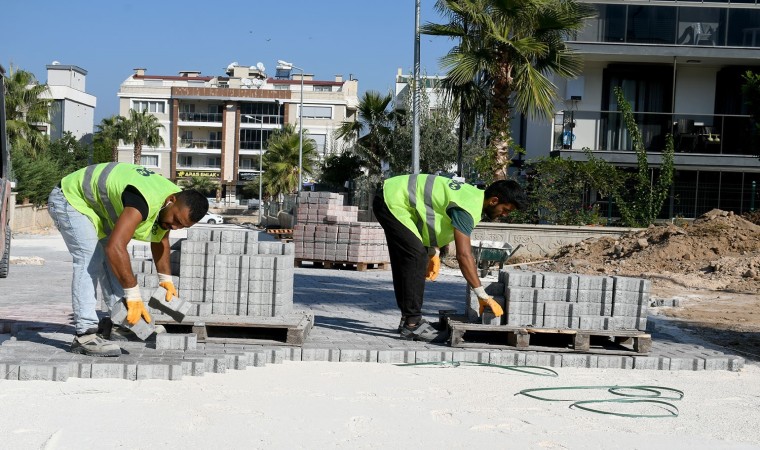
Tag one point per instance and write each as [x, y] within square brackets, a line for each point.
[424, 332]
[92, 344]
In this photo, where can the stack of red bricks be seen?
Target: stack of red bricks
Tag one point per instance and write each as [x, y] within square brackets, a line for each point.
[327, 230]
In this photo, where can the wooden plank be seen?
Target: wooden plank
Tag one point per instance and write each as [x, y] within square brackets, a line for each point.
[642, 344]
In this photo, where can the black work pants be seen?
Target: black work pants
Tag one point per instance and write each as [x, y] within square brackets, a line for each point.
[409, 261]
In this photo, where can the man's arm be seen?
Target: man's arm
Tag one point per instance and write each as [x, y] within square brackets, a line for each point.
[161, 252]
[116, 249]
[465, 259]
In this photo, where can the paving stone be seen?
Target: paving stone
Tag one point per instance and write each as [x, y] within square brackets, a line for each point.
[358, 355]
[543, 359]
[395, 356]
[108, 370]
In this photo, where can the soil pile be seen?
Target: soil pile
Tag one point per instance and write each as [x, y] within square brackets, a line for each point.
[718, 251]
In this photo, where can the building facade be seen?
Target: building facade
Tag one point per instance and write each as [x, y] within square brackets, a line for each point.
[218, 126]
[680, 66]
[72, 109]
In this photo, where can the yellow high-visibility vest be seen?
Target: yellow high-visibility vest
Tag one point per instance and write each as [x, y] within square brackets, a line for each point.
[96, 190]
[421, 202]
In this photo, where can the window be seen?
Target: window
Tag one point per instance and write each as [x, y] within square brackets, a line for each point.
[214, 161]
[214, 139]
[187, 107]
[246, 163]
[149, 160]
[317, 112]
[150, 106]
[185, 160]
[186, 136]
[322, 88]
[319, 140]
[268, 112]
[281, 87]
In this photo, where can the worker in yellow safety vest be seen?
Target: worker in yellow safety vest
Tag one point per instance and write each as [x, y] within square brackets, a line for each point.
[422, 213]
[98, 210]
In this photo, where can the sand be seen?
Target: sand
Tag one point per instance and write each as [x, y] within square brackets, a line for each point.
[353, 405]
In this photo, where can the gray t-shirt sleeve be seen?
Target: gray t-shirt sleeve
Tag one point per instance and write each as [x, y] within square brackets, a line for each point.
[461, 220]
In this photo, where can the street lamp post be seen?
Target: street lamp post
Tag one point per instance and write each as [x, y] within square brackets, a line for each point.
[261, 156]
[287, 65]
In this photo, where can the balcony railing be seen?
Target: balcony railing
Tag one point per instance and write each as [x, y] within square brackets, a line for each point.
[200, 143]
[666, 24]
[200, 117]
[703, 134]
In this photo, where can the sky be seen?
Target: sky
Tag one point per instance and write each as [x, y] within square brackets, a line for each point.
[369, 39]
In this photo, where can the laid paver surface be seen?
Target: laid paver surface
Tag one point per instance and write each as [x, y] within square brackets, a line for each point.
[355, 320]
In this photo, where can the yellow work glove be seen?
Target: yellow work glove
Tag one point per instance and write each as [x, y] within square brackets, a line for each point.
[486, 300]
[135, 306]
[165, 281]
[434, 266]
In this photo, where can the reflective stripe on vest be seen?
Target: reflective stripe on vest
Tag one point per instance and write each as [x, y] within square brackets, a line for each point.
[102, 193]
[428, 201]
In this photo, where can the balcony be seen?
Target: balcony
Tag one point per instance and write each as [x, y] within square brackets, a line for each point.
[200, 143]
[602, 131]
[200, 117]
[681, 25]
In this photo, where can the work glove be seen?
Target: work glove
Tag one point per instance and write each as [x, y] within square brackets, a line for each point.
[135, 306]
[434, 266]
[486, 300]
[165, 281]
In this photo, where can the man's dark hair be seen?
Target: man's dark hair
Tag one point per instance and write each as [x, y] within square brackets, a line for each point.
[507, 191]
[197, 202]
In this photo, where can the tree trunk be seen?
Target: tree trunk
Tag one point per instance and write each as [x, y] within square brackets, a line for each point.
[115, 153]
[501, 138]
[138, 152]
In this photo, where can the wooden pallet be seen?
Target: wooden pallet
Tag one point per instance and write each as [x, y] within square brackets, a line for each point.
[475, 335]
[359, 266]
[291, 329]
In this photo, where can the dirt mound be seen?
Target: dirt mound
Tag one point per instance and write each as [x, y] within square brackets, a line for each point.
[719, 250]
[753, 217]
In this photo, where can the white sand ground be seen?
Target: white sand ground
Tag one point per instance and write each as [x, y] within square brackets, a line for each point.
[353, 405]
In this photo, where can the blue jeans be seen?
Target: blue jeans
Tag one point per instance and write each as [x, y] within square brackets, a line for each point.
[90, 264]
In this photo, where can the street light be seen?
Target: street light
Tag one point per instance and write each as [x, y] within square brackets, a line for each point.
[261, 156]
[289, 66]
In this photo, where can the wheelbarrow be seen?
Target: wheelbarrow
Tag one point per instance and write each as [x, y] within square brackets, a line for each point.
[488, 253]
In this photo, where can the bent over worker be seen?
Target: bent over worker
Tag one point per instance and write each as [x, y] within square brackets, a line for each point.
[98, 210]
[420, 214]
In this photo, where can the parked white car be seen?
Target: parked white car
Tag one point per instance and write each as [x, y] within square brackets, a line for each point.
[212, 219]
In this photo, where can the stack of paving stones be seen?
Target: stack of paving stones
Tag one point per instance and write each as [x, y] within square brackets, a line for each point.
[566, 301]
[328, 231]
[226, 271]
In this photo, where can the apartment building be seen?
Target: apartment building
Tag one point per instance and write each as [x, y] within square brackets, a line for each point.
[218, 126]
[72, 109]
[433, 92]
[680, 66]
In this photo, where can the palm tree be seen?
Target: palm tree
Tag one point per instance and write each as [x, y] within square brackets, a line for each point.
[25, 108]
[110, 130]
[142, 129]
[371, 130]
[516, 45]
[281, 160]
[201, 184]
